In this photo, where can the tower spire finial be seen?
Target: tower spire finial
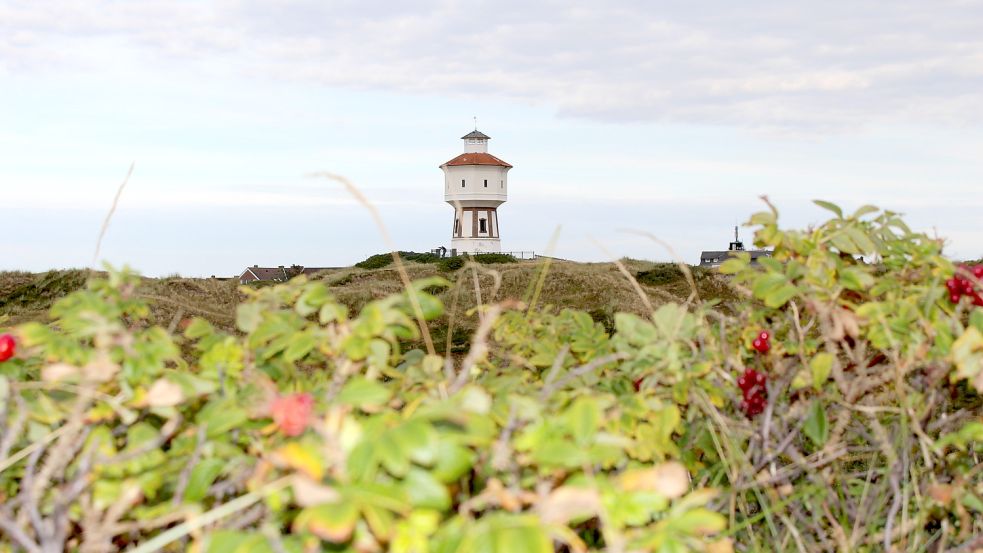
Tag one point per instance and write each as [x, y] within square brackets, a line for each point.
[475, 122]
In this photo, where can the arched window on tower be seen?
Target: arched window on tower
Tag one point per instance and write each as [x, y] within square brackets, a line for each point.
[486, 183]
[462, 183]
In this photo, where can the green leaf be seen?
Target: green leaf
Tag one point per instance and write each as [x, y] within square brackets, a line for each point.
[314, 296]
[699, 521]
[248, 316]
[765, 284]
[333, 522]
[860, 238]
[635, 329]
[424, 490]
[855, 279]
[583, 418]
[299, 346]
[202, 476]
[864, 210]
[732, 266]
[820, 366]
[453, 461]
[362, 393]
[779, 297]
[829, 206]
[816, 427]
[199, 328]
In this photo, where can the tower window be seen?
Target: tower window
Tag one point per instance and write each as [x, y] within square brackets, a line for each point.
[501, 184]
[482, 225]
[462, 183]
[486, 183]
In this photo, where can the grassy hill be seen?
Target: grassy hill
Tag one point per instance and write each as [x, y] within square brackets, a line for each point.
[598, 288]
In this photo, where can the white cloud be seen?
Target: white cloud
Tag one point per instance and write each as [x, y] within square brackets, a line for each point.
[802, 66]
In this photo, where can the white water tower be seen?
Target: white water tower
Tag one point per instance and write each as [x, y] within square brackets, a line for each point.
[475, 184]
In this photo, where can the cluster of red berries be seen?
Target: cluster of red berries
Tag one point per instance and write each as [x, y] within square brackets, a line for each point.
[7, 347]
[960, 286]
[762, 342]
[752, 384]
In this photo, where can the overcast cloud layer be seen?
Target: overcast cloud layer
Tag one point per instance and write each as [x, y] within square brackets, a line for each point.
[789, 66]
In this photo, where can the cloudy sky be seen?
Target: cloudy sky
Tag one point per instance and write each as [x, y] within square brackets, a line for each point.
[662, 116]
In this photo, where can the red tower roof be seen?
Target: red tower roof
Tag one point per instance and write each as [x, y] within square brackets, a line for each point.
[476, 158]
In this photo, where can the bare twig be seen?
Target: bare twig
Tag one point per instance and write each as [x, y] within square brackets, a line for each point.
[479, 346]
[109, 216]
[10, 528]
[403, 275]
[631, 279]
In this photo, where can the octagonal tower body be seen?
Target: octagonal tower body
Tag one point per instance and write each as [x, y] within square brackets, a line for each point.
[475, 184]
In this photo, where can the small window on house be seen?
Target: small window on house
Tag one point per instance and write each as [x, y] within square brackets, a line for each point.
[486, 183]
[501, 184]
[462, 183]
[482, 226]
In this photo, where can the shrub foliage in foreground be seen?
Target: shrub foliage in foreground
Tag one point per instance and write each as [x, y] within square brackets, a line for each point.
[310, 431]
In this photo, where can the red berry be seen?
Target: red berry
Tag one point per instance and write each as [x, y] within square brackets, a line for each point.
[292, 413]
[764, 335]
[954, 297]
[638, 383]
[977, 300]
[762, 346]
[7, 347]
[742, 383]
[978, 271]
[952, 285]
[967, 286]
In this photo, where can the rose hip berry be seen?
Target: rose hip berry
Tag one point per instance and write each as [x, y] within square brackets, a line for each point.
[292, 413]
[7, 347]
[755, 393]
[960, 285]
[762, 342]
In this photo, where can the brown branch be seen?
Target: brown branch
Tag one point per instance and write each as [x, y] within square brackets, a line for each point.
[10, 528]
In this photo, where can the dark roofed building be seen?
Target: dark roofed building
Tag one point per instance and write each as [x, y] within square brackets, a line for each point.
[277, 274]
[713, 259]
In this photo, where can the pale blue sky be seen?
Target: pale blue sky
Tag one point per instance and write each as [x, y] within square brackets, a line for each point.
[666, 117]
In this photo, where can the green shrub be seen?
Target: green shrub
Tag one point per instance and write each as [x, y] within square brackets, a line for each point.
[381, 260]
[449, 264]
[491, 258]
[306, 429]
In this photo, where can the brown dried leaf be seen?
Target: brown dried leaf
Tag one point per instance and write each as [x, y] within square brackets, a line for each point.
[100, 369]
[58, 372]
[720, 546]
[308, 492]
[941, 493]
[164, 393]
[567, 503]
[669, 479]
